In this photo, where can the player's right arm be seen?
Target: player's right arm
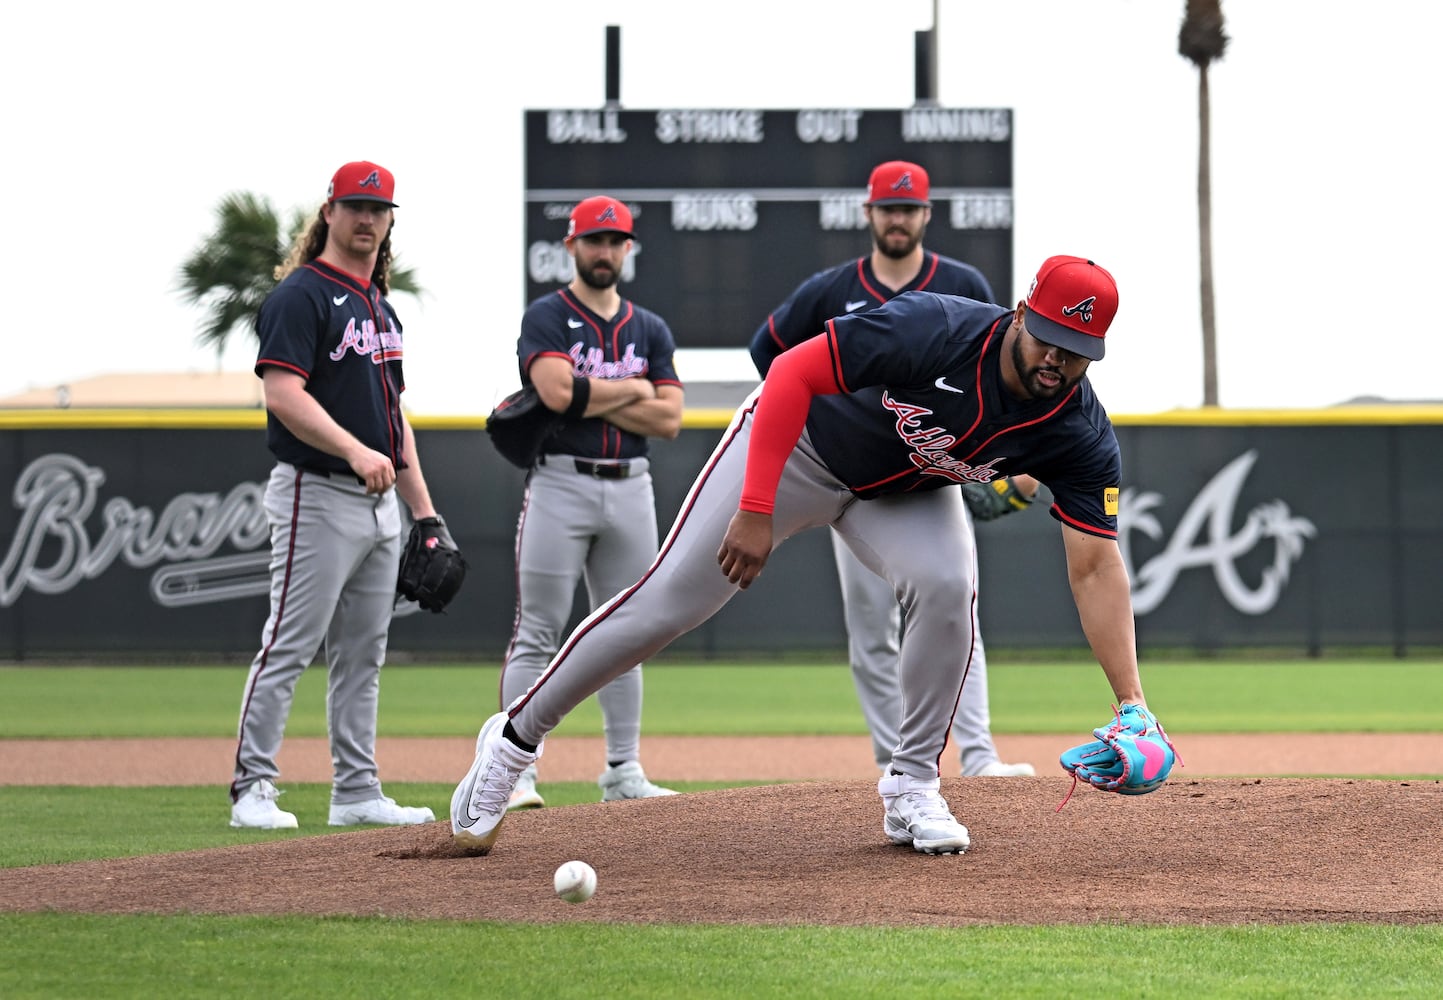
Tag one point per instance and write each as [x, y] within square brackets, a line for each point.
[798, 376]
[287, 398]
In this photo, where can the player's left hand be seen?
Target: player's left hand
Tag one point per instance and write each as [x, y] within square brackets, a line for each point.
[746, 547]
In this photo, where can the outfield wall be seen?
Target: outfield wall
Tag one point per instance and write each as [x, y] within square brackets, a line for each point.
[141, 533]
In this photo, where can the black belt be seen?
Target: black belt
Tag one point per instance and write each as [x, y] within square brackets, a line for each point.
[603, 470]
[316, 470]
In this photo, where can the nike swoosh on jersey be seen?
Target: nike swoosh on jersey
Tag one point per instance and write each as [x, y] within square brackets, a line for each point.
[942, 383]
[854, 306]
[339, 300]
[575, 324]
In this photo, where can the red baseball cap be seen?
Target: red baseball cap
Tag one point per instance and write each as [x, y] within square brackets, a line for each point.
[599, 214]
[1071, 304]
[898, 182]
[362, 181]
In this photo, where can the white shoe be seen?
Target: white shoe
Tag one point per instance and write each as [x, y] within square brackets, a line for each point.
[479, 803]
[628, 781]
[997, 769]
[257, 809]
[525, 795]
[382, 811]
[917, 814]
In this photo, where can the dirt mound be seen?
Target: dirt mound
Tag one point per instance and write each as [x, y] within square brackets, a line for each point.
[1197, 852]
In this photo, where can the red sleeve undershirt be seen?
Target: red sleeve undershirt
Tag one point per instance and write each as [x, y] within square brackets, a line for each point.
[794, 378]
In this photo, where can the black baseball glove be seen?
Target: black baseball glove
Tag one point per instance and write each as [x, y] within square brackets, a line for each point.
[989, 501]
[432, 568]
[520, 425]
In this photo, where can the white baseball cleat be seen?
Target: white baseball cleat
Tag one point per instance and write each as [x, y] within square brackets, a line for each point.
[917, 814]
[383, 811]
[256, 809]
[628, 781]
[479, 803]
[525, 795]
[997, 769]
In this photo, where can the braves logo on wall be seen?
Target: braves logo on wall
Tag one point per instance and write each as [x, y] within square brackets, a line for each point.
[1204, 537]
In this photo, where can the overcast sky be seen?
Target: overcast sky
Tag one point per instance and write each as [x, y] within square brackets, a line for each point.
[127, 123]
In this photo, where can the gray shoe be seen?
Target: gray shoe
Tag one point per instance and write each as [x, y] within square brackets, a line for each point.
[382, 811]
[628, 781]
[479, 803]
[917, 814]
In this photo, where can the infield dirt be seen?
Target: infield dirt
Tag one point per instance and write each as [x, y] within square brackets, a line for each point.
[1204, 849]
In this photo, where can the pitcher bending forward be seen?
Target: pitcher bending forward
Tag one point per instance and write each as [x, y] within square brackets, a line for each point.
[861, 428]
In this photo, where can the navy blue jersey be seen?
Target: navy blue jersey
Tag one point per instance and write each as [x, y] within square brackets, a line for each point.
[935, 412]
[849, 288]
[635, 341]
[342, 336]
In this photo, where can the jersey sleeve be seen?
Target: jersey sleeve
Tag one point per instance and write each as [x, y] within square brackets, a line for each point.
[797, 319]
[289, 325]
[661, 354]
[1085, 490]
[541, 326]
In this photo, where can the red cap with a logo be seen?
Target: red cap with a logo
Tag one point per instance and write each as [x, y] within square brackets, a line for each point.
[599, 215]
[363, 181]
[1071, 305]
[898, 182]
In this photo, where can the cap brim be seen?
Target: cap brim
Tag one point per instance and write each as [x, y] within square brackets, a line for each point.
[899, 201]
[593, 232]
[1052, 332]
[378, 201]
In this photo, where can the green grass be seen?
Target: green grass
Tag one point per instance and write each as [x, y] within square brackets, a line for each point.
[349, 957]
[66, 955]
[752, 699]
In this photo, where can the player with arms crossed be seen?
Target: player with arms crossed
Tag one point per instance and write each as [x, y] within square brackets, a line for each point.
[589, 514]
[330, 359]
[852, 430]
[898, 208]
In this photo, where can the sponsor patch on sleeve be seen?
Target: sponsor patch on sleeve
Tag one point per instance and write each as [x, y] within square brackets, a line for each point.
[1109, 501]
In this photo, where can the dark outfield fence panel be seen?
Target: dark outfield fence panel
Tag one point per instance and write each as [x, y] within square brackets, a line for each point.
[134, 534]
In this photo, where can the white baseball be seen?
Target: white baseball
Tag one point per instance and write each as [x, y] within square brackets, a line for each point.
[575, 881]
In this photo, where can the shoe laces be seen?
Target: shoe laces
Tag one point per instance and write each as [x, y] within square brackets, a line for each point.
[492, 791]
[928, 806]
[265, 790]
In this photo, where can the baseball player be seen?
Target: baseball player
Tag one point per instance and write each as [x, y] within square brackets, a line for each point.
[864, 428]
[898, 208]
[588, 513]
[330, 359]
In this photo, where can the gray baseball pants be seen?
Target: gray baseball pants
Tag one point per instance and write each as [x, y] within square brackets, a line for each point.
[576, 528]
[335, 551]
[921, 543]
[874, 627]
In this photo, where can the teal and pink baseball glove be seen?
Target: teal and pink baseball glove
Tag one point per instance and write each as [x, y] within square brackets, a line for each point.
[1133, 756]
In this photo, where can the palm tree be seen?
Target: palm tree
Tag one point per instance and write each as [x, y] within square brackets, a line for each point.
[1202, 41]
[233, 269]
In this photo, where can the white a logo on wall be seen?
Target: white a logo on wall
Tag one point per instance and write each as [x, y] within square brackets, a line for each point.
[1205, 538]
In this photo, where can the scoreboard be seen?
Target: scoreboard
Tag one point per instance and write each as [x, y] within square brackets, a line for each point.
[734, 208]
